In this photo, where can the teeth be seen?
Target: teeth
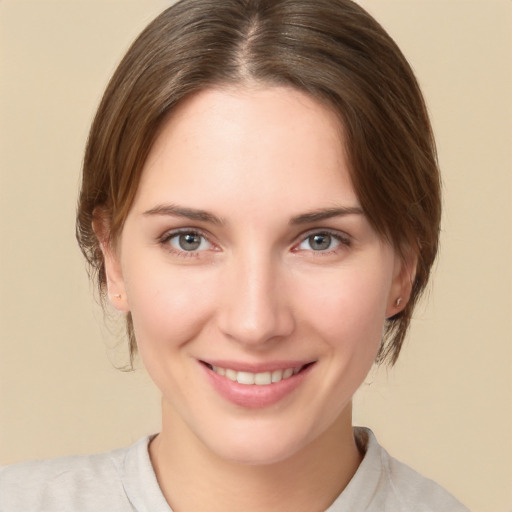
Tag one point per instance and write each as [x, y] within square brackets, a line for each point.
[259, 379]
[263, 379]
[245, 378]
[287, 373]
[277, 375]
[230, 374]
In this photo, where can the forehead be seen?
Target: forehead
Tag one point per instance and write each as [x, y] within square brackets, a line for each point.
[266, 143]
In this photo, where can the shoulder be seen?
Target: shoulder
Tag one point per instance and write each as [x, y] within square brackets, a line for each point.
[399, 487]
[410, 488]
[79, 483]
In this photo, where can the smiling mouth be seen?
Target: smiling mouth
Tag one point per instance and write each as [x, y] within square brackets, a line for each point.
[257, 379]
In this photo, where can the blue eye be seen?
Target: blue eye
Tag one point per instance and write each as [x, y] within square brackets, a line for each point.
[188, 241]
[320, 242]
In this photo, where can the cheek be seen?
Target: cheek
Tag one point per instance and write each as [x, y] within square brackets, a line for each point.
[167, 306]
[348, 309]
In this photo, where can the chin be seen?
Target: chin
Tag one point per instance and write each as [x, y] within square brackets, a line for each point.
[255, 442]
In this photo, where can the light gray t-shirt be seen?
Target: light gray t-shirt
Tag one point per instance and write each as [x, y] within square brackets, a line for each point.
[124, 481]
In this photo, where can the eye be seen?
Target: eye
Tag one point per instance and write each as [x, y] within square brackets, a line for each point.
[322, 242]
[187, 241]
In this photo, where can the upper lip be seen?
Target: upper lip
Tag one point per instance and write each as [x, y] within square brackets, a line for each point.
[269, 366]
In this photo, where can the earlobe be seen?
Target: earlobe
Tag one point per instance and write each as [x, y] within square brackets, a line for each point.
[113, 272]
[403, 280]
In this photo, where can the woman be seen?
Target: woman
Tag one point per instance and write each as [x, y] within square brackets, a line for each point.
[261, 198]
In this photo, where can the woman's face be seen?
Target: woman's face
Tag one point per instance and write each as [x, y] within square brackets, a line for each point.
[257, 287]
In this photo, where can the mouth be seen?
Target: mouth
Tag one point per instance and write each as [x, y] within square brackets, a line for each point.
[263, 378]
[255, 386]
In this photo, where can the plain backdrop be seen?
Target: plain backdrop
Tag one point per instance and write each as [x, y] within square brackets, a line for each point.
[445, 409]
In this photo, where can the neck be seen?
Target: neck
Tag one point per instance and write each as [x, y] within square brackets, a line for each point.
[193, 478]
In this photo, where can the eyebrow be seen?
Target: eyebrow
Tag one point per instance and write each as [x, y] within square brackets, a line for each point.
[188, 213]
[326, 213]
[204, 216]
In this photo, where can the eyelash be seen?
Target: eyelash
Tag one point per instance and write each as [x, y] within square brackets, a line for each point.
[167, 237]
[343, 239]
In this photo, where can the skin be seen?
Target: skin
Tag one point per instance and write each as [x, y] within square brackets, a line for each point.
[256, 290]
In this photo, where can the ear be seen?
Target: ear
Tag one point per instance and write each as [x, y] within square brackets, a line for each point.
[404, 272]
[113, 271]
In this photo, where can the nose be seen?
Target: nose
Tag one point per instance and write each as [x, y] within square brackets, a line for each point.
[256, 306]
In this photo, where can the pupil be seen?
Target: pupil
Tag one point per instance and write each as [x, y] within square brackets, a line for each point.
[189, 241]
[320, 242]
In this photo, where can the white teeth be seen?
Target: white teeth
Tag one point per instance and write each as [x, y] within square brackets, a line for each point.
[231, 374]
[277, 375]
[262, 379]
[259, 379]
[287, 373]
[245, 378]
[219, 370]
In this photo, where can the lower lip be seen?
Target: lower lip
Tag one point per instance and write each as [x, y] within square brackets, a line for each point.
[252, 396]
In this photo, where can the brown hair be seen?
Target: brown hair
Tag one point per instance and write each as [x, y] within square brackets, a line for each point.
[330, 49]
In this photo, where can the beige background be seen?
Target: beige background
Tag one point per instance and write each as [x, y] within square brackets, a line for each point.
[446, 408]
